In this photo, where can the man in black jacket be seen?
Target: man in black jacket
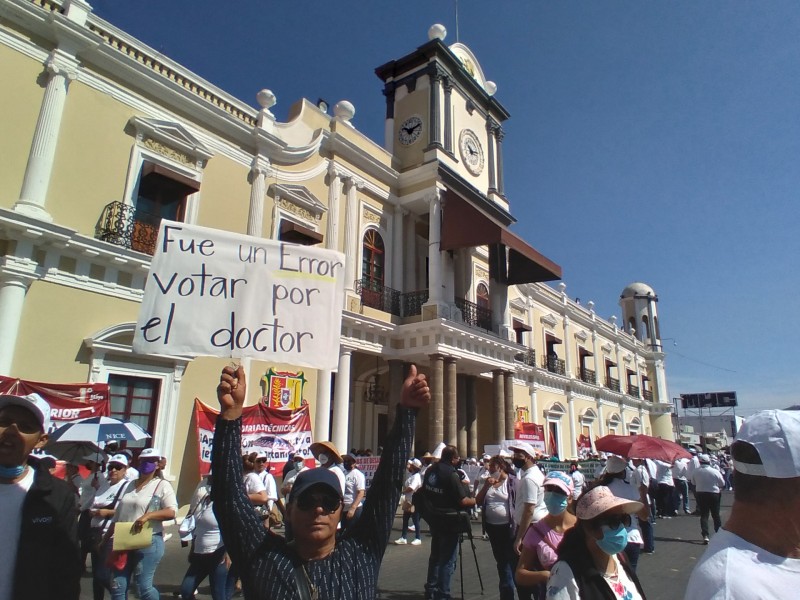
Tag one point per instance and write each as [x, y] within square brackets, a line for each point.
[446, 501]
[39, 512]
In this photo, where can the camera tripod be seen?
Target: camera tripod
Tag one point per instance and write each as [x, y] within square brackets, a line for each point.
[467, 531]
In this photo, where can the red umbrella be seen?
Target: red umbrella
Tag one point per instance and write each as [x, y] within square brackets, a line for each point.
[642, 446]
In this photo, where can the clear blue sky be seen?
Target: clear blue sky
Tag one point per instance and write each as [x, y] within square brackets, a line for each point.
[649, 141]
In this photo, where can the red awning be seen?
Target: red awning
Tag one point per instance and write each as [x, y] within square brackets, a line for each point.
[464, 226]
[520, 326]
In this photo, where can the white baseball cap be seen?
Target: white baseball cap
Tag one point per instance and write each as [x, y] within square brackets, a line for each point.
[150, 453]
[34, 403]
[775, 434]
[120, 459]
[524, 447]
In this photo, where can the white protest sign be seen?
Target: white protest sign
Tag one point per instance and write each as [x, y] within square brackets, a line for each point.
[216, 293]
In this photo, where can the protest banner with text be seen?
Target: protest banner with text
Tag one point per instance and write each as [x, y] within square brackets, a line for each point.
[217, 293]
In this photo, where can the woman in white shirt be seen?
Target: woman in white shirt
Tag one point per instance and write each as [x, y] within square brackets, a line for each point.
[148, 499]
[412, 484]
[496, 500]
[207, 557]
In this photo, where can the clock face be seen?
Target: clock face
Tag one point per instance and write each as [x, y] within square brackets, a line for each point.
[410, 130]
[471, 151]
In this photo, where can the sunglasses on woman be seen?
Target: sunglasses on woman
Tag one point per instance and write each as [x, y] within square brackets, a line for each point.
[328, 503]
[614, 521]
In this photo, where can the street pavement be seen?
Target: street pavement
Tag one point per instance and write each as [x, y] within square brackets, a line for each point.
[664, 574]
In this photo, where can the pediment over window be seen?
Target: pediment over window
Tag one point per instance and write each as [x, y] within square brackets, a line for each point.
[581, 335]
[549, 319]
[170, 139]
[298, 195]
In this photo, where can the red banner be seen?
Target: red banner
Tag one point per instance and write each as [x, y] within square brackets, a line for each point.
[531, 433]
[276, 432]
[68, 401]
[584, 441]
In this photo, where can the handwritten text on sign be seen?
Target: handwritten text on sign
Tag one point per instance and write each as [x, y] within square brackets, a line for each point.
[217, 293]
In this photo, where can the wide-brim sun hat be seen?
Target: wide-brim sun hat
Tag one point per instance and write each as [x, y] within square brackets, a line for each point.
[318, 448]
[599, 500]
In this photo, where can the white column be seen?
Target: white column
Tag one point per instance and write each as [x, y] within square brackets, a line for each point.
[397, 250]
[322, 416]
[410, 283]
[334, 191]
[498, 298]
[601, 418]
[350, 234]
[567, 351]
[620, 369]
[596, 350]
[255, 218]
[573, 426]
[341, 400]
[12, 301]
[534, 404]
[62, 69]
[435, 281]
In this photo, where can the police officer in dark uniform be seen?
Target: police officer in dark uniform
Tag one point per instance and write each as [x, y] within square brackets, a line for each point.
[446, 502]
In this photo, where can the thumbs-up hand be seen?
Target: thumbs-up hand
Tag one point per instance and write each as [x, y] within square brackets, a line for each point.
[416, 392]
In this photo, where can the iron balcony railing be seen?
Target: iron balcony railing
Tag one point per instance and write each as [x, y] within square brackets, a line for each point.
[588, 376]
[554, 365]
[474, 315]
[647, 395]
[633, 390]
[411, 303]
[528, 357]
[123, 225]
[612, 384]
[378, 296]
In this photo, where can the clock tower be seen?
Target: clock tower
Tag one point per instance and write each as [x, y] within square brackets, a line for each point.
[441, 108]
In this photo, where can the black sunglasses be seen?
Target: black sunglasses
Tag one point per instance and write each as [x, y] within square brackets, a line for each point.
[328, 503]
[114, 467]
[261, 460]
[614, 521]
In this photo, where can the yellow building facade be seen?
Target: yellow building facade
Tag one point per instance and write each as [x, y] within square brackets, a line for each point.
[102, 137]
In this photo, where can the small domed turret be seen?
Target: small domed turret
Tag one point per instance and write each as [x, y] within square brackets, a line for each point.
[638, 301]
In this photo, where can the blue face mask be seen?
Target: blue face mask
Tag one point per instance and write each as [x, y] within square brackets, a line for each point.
[11, 472]
[556, 503]
[613, 540]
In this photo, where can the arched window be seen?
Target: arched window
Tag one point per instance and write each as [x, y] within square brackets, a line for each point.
[372, 264]
[656, 328]
[631, 323]
[482, 296]
[645, 329]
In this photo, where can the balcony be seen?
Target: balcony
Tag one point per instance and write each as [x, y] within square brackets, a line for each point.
[612, 384]
[647, 395]
[528, 357]
[411, 303]
[378, 296]
[633, 390]
[123, 225]
[588, 376]
[474, 315]
[554, 365]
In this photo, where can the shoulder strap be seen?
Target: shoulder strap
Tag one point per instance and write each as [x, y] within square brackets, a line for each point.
[113, 505]
[305, 588]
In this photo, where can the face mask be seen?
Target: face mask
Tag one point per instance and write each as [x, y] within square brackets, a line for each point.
[518, 462]
[613, 540]
[349, 466]
[323, 459]
[556, 503]
[147, 467]
[11, 472]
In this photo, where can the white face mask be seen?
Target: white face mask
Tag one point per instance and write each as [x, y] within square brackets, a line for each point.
[323, 459]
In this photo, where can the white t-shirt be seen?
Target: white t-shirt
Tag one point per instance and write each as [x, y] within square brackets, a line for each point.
[413, 481]
[679, 469]
[340, 476]
[664, 473]
[496, 501]
[530, 491]
[253, 484]
[707, 479]
[732, 569]
[105, 499]
[132, 474]
[157, 494]
[207, 537]
[12, 497]
[562, 584]
[354, 482]
[270, 485]
[621, 489]
[578, 480]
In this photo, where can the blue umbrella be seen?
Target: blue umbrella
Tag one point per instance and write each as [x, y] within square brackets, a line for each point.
[98, 429]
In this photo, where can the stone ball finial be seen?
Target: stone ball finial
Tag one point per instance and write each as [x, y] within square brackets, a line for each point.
[344, 110]
[266, 99]
[437, 32]
[490, 87]
[562, 286]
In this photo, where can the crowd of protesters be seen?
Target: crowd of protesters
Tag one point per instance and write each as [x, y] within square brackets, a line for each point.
[554, 534]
